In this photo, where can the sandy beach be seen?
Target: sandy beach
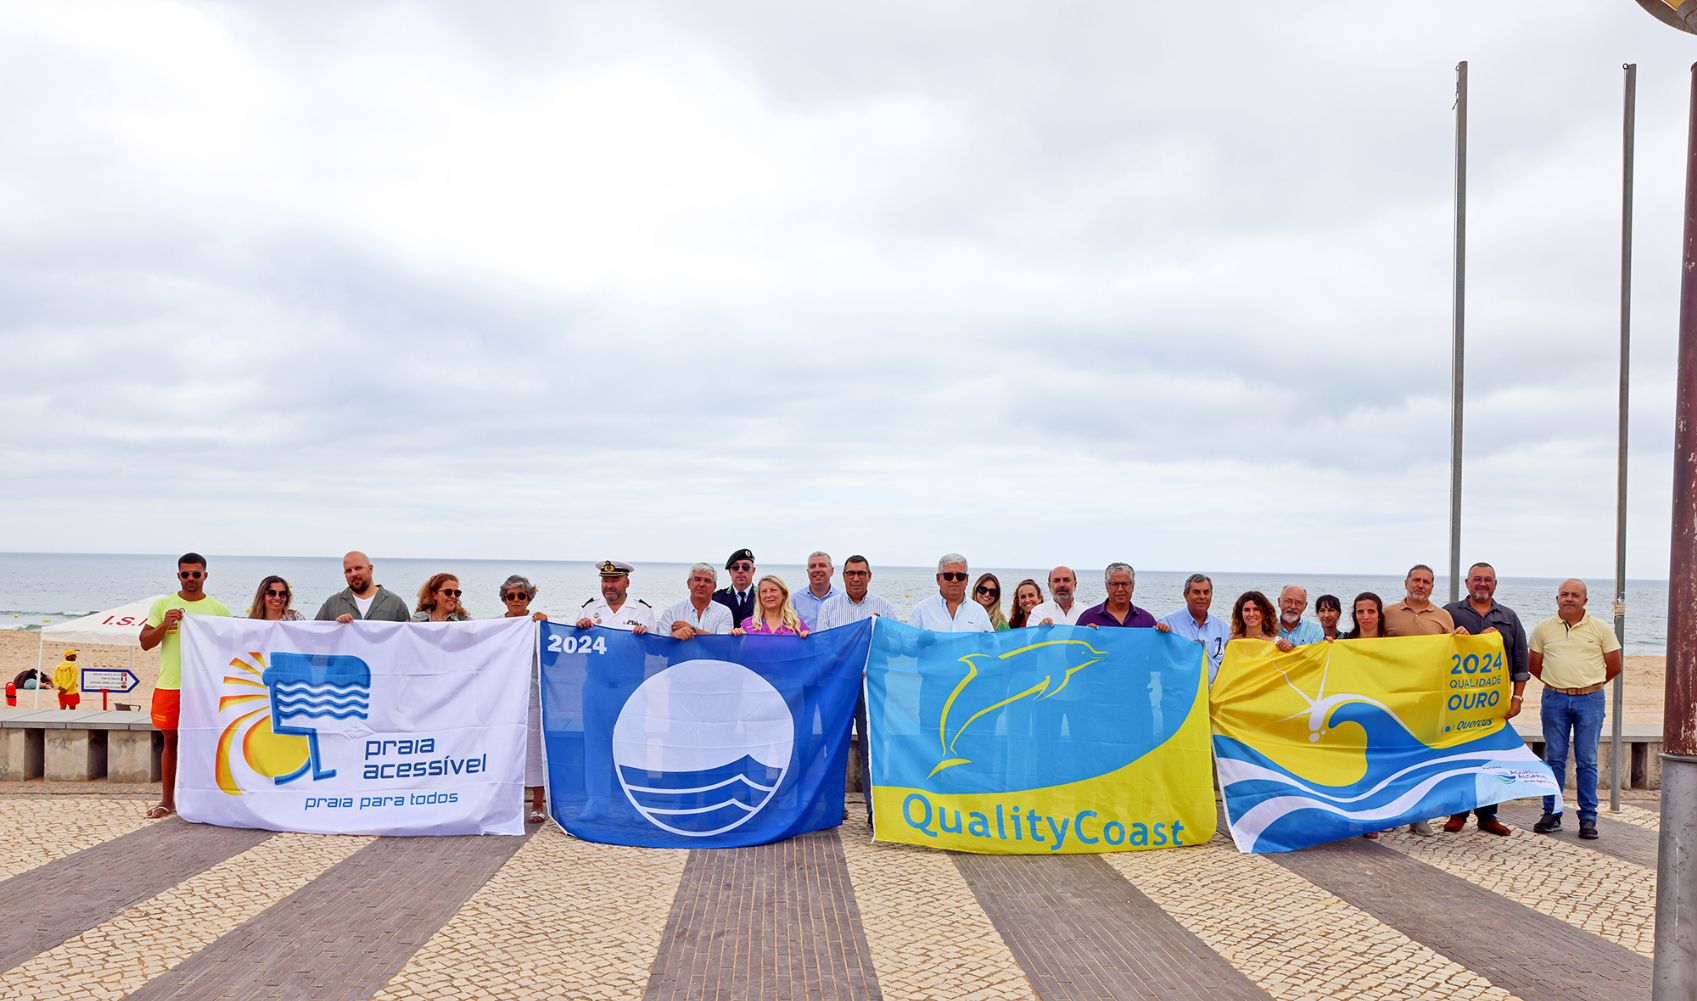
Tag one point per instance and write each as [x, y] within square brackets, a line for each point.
[18, 651]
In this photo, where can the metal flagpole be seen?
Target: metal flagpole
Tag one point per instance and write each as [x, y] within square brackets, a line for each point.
[1674, 970]
[1458, 323]
[1628, 128]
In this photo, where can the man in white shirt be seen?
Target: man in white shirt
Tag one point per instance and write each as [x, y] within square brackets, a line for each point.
[1060, 609]
[855, 602]
[698, 613]
[612, 609]
[948, 611]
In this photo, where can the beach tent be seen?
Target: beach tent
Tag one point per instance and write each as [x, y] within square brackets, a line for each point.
[119, 626]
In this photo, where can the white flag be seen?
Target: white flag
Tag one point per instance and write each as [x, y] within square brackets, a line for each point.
[388, 728]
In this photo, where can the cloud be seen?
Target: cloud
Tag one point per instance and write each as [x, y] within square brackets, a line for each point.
[1081, 280]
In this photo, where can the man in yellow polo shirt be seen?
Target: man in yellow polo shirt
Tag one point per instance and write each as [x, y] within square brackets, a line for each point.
[1575, 656]
[161, 631]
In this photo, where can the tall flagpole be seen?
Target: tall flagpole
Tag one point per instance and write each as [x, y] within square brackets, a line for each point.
[1629, 126]
[1458, 325]
[1674, 970]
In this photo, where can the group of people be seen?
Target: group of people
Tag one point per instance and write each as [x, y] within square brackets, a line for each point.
[1572, 653]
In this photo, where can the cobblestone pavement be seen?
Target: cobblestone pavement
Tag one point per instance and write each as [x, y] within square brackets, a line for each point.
[97, 904]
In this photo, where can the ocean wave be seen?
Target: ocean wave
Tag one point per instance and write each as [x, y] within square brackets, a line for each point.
[1274, 809]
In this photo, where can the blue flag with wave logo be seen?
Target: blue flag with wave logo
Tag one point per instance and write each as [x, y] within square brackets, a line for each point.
[1337, 739]
[712, 742]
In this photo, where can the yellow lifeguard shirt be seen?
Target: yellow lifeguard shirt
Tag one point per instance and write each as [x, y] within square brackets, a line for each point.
[65, 677]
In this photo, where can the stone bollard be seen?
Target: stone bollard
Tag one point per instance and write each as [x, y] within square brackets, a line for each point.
[130, 757]
[20, 754]
[74, 755]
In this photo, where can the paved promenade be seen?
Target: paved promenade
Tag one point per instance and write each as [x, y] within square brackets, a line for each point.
[96, 902]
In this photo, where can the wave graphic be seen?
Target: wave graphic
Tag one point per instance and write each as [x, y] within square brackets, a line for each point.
[1273, 809]
[308, 700]
[296, 699]
[705, 802]
[327, 689]
[321, 713]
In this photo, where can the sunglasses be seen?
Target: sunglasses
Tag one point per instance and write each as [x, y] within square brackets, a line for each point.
[952, 576]
[515, 596]
[450, 592]
[990, 592]
[191, 574]
[740, 566]
[276, 594]
[857, 573]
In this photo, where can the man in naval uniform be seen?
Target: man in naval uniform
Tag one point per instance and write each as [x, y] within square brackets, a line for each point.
[739, 597]
[615, 609]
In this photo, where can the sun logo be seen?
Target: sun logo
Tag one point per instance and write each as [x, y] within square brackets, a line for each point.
[279, 737]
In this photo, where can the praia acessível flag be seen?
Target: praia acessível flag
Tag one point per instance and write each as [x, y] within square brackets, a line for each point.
[1337, 739]
[711, 742]
[1054, 739]
[365, 728]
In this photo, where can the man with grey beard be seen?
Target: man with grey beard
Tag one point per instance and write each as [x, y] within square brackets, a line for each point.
[1060, 609]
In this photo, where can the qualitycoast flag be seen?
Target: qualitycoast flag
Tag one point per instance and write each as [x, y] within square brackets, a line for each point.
[365, 728]
[714, 742]
[1337, 739]
[1030, 741]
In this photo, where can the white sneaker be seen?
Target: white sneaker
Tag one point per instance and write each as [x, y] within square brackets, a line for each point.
[1421, 828]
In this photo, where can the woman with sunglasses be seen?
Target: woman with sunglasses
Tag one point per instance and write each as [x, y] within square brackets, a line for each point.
[439, 600]
[773, 613]
[988, 592]
[271, 601]
[516, 594]
[1026, 596]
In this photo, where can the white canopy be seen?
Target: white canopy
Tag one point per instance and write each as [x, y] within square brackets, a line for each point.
[119, 626]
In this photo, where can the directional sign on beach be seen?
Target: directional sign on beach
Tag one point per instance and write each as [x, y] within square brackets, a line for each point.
[104, 680]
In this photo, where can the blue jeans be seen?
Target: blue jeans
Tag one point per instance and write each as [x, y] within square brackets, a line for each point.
[1582, 715]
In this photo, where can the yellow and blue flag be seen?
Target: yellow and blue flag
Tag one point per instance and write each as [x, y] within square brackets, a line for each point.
[1054, 739]
[1337, 739]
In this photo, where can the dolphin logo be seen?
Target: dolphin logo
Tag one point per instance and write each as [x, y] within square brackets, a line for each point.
[1046, 687]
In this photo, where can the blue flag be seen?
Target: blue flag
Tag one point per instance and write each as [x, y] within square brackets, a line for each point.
[713, 742]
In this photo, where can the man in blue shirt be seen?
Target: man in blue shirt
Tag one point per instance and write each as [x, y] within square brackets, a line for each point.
[1293, 601]
[1194, 623]
[809, 599]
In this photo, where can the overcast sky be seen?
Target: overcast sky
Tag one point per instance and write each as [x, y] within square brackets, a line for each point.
[1045, 282]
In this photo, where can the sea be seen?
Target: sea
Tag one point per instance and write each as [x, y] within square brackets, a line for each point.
[37, 589]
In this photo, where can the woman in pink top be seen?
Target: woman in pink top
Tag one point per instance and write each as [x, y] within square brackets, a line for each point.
[773, 613]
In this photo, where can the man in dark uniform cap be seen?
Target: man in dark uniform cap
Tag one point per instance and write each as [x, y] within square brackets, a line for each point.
[614, 608]
[739, 597]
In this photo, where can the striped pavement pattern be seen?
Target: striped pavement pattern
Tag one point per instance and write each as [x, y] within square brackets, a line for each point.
[96, 903]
